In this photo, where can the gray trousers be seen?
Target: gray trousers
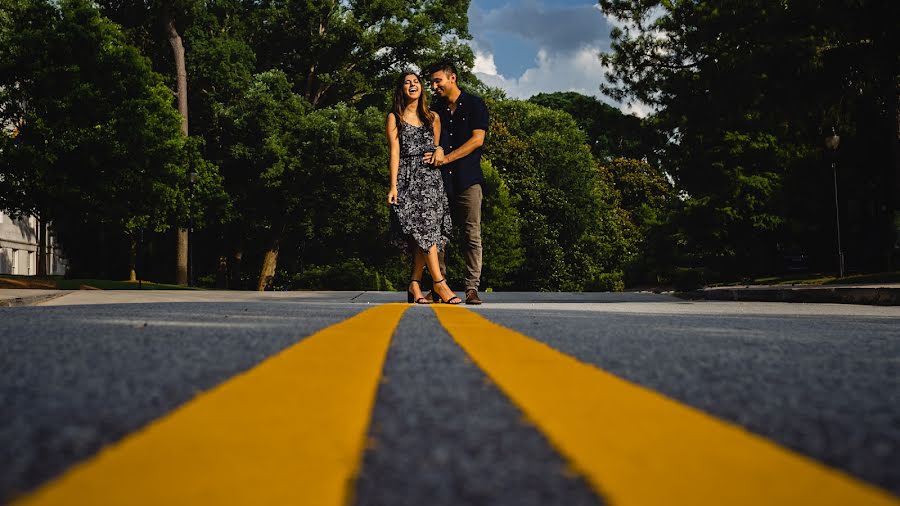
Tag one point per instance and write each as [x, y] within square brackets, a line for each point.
[465, 208]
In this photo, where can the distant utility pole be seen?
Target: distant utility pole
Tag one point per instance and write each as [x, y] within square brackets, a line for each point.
[832, 142]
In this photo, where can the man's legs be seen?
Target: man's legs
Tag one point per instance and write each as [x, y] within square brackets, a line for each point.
[467, 216]
[466, 210]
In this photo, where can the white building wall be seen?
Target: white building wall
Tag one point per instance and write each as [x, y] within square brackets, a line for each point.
[18, 248]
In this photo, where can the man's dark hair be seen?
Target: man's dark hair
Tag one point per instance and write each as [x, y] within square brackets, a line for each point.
[444, 66]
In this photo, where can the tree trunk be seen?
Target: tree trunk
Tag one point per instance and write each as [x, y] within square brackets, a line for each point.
[181, 244]
[181, 247]
[103, 247]
[42, 247]
[180, 71]
[896, 142]
[270, 260]
[894, 262]
[132, 261]
[222, 272]
[234, 270]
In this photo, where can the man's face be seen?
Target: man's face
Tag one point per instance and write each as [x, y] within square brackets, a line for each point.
[442, 83]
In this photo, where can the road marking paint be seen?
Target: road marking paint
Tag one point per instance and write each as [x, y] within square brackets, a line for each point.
[637, 447]
[289, 431]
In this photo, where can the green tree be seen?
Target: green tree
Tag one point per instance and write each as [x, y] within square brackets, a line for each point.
[331, 52]
[648, 200]
[264, 130]
[148, 21]
[344, 214]
[502, 236]
[571, 230]
[344, 51]
[745, 93]
[313, 173]
[350, 52]
[97, 138]
[610, 132]
[223, 64]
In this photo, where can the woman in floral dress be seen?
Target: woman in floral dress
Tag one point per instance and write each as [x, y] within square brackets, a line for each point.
[420, 214]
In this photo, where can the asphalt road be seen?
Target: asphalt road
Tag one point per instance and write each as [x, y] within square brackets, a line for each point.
[820, 380]
[76, 378]
[827, 387]
[440, 420]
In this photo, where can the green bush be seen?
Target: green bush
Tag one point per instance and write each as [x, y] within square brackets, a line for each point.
[606, 282]
[351, 274]
[691, 278]
[571, 226]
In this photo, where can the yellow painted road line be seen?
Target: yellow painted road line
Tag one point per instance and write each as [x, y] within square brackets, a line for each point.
[290, 431]
[637, 447]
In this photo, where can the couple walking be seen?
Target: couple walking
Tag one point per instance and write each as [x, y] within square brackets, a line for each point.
[435, 165]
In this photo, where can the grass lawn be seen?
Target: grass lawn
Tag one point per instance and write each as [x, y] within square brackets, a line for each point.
[59, 283]
[820, 279]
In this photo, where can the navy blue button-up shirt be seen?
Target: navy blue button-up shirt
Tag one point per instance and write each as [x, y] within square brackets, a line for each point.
[456, 128]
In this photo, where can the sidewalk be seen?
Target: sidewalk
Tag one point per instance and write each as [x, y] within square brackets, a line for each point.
[885, 294]
[18, 297]
[875, 294]
[11, 297]
[28, 297]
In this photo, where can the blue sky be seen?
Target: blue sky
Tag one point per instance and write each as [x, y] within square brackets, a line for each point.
[531, 46]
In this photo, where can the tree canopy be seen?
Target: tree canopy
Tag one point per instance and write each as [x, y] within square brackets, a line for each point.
[287, 101]
[745, 93]
[96, 137]
[572, 232]
[346, 51]
[610, 132]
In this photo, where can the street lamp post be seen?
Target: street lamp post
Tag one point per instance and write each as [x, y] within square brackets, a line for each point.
[832, 142]
[139, 257]
[190, 248]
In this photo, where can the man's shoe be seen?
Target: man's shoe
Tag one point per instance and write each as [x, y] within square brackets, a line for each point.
[472, 297]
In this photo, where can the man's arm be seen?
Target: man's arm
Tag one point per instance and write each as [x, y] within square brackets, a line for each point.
[474, 142]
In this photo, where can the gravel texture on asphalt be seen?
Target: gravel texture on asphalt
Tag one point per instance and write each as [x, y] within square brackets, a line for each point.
[76, 378]
[443, 434]
[827, 387]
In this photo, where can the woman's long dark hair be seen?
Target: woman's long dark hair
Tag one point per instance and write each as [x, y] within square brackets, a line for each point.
[422, 109]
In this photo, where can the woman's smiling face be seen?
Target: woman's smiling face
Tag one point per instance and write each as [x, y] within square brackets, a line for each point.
[412, 88]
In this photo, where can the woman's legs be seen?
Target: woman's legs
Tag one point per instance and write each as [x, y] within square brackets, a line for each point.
[434, 268]
[418, 267]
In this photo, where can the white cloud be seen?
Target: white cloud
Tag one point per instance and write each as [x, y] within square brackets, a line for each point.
[639, 109]
[614, 21]
[652, 15]
[484, 62]
[579, 71]
[570, 40]
[555, 28]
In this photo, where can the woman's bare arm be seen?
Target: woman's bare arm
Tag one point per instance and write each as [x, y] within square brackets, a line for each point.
[393, 138]
[436, 158]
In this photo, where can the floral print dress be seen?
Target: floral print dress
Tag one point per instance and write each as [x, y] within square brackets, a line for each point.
[421, 215]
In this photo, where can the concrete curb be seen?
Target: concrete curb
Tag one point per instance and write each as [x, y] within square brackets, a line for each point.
[31, 300]
[872, 296]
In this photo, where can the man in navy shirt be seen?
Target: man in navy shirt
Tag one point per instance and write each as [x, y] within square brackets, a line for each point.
[464, 123]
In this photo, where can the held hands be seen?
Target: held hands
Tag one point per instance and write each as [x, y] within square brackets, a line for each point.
[392, 196]
[435, 157]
